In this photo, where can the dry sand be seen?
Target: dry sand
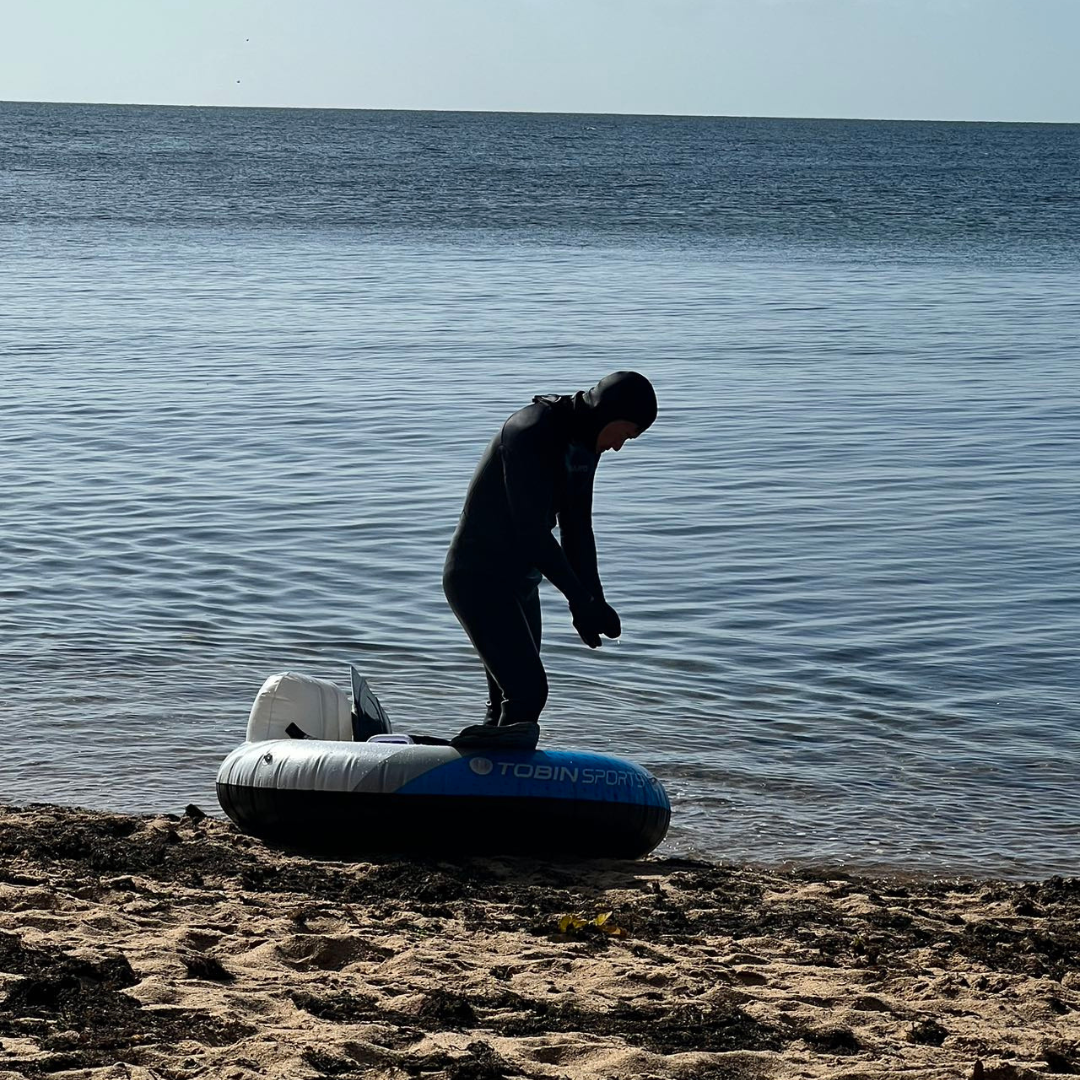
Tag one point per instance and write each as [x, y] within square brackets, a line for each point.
[173, 947]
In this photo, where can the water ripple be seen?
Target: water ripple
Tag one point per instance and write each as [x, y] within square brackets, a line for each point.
[845, 556]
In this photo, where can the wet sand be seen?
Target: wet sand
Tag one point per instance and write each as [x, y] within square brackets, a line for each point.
[174, 947]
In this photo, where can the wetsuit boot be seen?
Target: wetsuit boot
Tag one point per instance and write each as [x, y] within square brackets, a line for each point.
[523, 735]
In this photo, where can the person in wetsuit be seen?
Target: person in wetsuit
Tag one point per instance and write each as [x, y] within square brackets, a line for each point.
[538, 470]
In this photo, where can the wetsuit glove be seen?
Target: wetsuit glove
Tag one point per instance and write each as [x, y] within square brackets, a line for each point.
[593, 619]
[612, 623]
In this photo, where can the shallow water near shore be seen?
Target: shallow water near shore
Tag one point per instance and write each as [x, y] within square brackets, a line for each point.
[249, 360]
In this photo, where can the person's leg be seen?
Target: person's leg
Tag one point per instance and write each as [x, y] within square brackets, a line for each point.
[513, 709]
[494, 701]
[457, 586]
[492, 614]
[529, 598]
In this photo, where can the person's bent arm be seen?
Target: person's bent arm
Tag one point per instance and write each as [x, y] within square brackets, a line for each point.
[579, 543]
[529, 493]
[578, 538]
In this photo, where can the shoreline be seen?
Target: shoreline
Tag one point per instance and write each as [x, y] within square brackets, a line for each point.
[174, 947]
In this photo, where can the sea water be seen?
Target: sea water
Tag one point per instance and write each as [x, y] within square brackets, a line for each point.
[249, 358]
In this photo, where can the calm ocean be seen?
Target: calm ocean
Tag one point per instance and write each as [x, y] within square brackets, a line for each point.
[248, 360]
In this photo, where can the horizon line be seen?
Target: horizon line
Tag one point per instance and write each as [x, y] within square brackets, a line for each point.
[531, 112]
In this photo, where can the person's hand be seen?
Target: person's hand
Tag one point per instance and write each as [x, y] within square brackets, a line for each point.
[595, 618]
[589, 623]
[612, 623]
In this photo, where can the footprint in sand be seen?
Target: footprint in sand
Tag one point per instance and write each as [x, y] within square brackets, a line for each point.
[327, 953]
[749, 977]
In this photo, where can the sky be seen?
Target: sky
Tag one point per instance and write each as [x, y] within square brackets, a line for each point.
[888, 59]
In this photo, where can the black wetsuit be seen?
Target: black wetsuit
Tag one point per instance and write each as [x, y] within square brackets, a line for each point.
[536, 472]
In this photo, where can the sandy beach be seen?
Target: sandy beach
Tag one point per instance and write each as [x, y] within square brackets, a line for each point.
[174, 947]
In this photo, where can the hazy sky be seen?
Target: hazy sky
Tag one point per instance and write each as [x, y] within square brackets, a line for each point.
[931, 59]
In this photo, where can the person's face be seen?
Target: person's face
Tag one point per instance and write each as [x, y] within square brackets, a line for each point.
[613, 435]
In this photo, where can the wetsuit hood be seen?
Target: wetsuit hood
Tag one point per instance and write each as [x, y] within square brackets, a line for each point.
[623, 395]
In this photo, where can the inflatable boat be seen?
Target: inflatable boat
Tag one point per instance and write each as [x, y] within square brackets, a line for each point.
[323, 773]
